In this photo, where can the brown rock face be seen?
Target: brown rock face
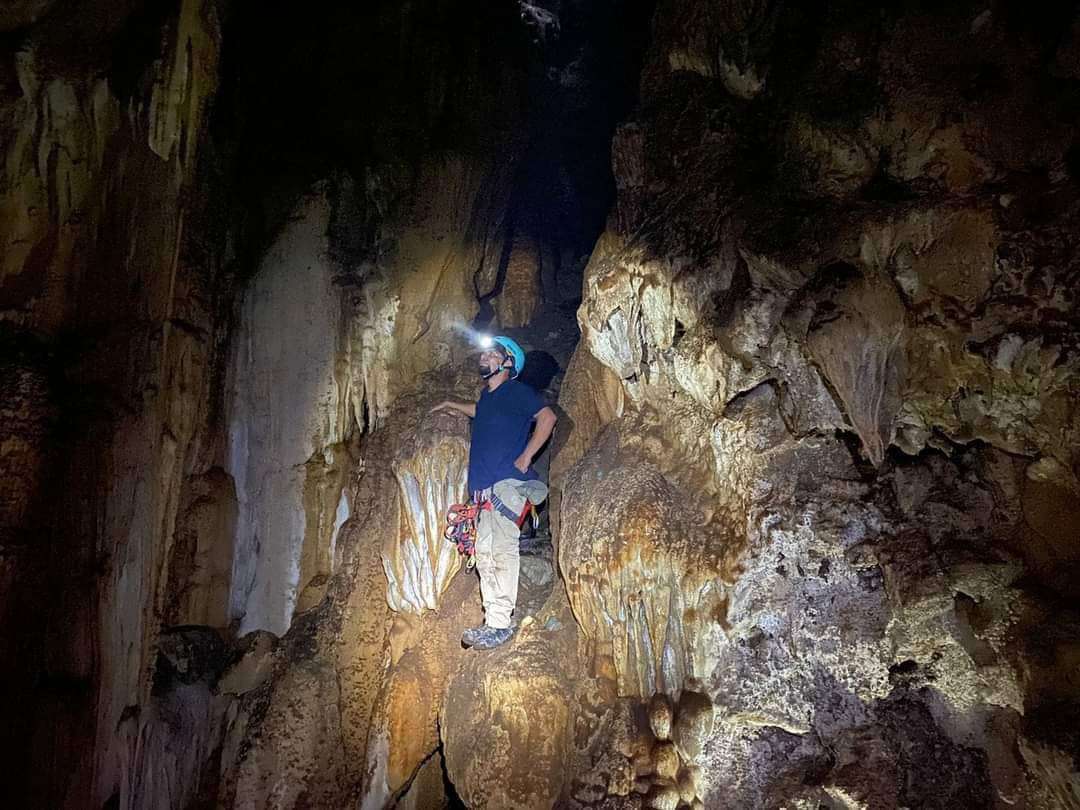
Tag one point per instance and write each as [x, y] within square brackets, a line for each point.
[103, 281]
[856, 336]
[519, 298]
[506, 724]
[637, 571]
[197, 336]
[816, 284]
[425, 655]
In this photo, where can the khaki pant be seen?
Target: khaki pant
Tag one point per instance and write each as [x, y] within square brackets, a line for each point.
[497, 549]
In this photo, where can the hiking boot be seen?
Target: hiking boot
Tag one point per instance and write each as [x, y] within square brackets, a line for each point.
[486, 638]
[468, 638]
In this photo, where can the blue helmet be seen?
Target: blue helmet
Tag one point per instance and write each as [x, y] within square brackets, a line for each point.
[511, 347]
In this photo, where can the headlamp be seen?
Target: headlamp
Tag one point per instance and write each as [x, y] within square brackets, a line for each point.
[484, 341]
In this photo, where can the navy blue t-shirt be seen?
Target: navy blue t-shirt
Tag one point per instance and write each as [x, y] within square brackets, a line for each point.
[500, 431]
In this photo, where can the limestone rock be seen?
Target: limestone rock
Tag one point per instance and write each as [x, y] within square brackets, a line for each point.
[536, 570]
[297, 755]
[253, 666]
[635, 567]
[869, 379]
[426, 651]
[660, 715]
[871, 277]
[829, 221]
[427, 791]
[1049, 494]
[202, 552]
[693, 725]
[81, 189]
[431, 468]
[22, 13]
[591, 395]
[830, 160]
[505, 725]
[189, 655]
[80, 121]
[27, 411]
[283, 434]
[667, 761]
[519, 297]
[665, 797]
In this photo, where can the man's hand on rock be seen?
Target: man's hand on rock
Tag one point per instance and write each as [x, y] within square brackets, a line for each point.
[463, 408]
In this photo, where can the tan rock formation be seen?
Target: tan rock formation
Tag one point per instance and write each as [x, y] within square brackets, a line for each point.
[506, 722]
[384, 671]
[857, 339]
[868, 282]
[202, 553]
[428, 789]
[431, 468]
[292, 762]
[814, 493]
[519, 297]
[287, 414]
[637, 568]
[69, 208]
[425, 655]
[591, 395]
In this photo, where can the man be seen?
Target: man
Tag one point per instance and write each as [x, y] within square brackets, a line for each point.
[500, 470]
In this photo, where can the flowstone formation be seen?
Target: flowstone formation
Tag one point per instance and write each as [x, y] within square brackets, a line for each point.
[835, 294]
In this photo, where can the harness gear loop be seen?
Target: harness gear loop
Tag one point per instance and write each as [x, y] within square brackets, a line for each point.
[462, 518]
[461, 530]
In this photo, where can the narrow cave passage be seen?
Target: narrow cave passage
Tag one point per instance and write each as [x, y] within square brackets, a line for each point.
[797, 279]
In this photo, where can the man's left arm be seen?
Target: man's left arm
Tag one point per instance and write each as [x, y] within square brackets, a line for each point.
[545, 423]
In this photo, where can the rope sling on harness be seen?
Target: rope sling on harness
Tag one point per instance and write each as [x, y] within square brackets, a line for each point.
[462, 519]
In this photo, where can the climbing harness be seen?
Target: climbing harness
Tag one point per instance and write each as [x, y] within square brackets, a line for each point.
[462, 519]
[508, 513]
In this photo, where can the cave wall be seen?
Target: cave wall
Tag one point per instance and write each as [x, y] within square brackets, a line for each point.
[349, 705]
[835, 291]
[108, 308]
[286, 413]
[194, 355]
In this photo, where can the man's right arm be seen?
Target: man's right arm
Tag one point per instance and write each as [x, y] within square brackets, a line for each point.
[466, 408]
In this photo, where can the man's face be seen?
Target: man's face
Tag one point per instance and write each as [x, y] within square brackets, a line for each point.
[491, 361]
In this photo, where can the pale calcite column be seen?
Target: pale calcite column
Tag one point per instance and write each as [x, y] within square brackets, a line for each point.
[289, 417]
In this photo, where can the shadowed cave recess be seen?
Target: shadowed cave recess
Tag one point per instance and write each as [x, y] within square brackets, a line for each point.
[800, 279]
